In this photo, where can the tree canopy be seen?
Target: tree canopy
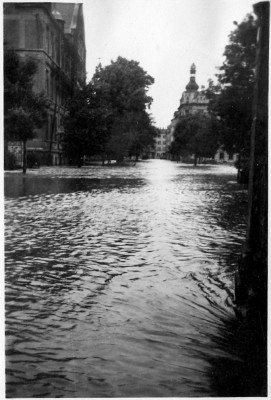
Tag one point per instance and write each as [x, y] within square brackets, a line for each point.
[195, 134]
[109, 116]
[24, 110]
[86, 123]
[231, 99]
[128, 84]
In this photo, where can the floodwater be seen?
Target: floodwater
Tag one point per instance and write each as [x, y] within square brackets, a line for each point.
[119, 280]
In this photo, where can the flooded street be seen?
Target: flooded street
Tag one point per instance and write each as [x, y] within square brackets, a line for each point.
[119, 280]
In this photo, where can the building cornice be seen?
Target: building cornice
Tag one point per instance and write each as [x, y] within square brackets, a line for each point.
[188, 105]
[55, 65]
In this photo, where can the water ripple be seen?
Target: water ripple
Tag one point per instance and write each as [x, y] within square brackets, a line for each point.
[119, 279]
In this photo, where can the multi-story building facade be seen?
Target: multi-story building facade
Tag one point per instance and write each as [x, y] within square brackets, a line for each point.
[192, 102]
[52, 34]
[160, 145]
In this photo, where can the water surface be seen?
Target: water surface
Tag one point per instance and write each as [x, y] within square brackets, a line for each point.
[119, 281]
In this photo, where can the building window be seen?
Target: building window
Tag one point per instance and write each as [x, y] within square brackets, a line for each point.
[62, 52]
[47, 128]
[61, 123]
[47, 84]
[47, 39]
[39, 27]
[11, 32]
[30, 34]
[51, 86]
[221, 155]
[67, 64]
[52, 45]
[55, 129]
[58, 41]
[230, 156]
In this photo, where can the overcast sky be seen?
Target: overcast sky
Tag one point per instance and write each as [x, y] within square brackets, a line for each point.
[166, 37]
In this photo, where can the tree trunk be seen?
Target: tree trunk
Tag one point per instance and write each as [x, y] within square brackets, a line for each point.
[5, 146]
[120, 159]
[257, 222]
[238, 174]
[195, 160]
[80, 162]
[252, 280]
[50, 160]
[24, 157]
[239, 168]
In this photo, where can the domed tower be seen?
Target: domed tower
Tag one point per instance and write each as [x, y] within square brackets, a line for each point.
[192, 86]
[193, 100]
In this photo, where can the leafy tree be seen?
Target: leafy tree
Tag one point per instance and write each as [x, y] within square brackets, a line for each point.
[108, 115]
[129, 125]
[130, 134]
[195, 134]
[231, 99]
[121, 138]
[24, 110]
[144, 134]
[85, 123]
[9, 160]
[128, 84]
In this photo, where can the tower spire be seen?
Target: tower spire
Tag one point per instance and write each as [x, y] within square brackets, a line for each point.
[193, 69]
[192, 85]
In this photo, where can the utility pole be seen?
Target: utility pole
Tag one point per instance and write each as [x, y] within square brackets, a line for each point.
[251, 291]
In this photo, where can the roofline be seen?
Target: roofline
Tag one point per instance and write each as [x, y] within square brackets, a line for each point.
[36, 5]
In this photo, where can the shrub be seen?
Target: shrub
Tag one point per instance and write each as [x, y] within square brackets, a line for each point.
[32, 160]
[9, 161]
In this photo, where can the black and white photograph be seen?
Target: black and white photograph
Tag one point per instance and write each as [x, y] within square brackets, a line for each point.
[135, 198]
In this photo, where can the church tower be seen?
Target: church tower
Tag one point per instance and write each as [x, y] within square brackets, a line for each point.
[192, 100]
[195, 102]
[192, 86]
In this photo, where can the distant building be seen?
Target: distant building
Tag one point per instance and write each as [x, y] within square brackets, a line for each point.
[160, 146]
[53, 35]
[192, 102]
[171, 130]
[222, 156]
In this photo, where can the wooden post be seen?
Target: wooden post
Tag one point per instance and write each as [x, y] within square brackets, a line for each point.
[253, 269]
[24, 156]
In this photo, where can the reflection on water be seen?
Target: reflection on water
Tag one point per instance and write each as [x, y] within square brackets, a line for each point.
[119, 281]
